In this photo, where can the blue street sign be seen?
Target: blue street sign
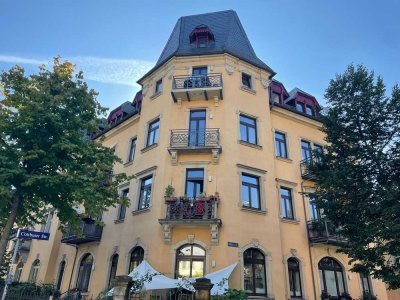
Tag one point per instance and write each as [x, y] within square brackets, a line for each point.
[32, 235]
[232, 244]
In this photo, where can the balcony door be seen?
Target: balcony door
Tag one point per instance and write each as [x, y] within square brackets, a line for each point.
[197, 128]
[199, 77]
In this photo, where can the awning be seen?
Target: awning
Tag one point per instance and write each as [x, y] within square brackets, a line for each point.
[161, 282]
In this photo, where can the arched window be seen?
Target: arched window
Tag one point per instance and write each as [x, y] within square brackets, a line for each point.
[190, 261]
[294, 278]
[18, 271]
[84, 272]
[331, 276]
[34, 271]
[60, 274]
[254, 272]
[113, 269]
[137, 256]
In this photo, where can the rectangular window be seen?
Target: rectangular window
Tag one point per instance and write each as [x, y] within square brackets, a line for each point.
[366, 284]
[250, 191]
[202, 41]
[154, 132]
[300, 107]
[248, 129]
[194, 183]
[280, 145]
[145, 192]
[246, 80]
[305, 150]
[286, 203]
[159, 86]
[132, 149]
[276, 98]
[313, 209]
[122, 207]
[309, 110]
[199, 71]
[317, 152]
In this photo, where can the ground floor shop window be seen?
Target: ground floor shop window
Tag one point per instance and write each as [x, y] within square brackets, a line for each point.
[190, 261]
[254, 272]
[331, 277]
[137, 256]
[84, 273]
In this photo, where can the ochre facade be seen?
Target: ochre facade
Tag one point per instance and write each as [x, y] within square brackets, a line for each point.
[264, 229]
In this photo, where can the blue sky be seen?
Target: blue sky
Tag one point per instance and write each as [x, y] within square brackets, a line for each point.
[115, 42]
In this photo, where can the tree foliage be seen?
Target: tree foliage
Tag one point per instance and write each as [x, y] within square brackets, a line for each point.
[46, 160]
[358, 177]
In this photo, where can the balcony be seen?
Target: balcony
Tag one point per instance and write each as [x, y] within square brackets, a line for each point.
[185, 212]
[202, 87]
[306, 174]
[89, 232]
[324, 232]
[195, 141]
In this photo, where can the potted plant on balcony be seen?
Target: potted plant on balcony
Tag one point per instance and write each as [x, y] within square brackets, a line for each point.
[169, 194]
[202, 196]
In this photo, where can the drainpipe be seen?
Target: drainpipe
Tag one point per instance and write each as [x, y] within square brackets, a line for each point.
[73, 268]
[308, 237]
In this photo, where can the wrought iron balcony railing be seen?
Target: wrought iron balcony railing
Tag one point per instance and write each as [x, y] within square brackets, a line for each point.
[305, 170]
[323, 231]
[192, 209]
[89, 232]
[201, 81]
[186, 138]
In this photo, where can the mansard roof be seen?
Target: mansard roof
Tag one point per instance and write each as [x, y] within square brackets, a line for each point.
[229, 37]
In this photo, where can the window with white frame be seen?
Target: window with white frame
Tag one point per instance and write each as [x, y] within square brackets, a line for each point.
[146, 184]
[286, 203]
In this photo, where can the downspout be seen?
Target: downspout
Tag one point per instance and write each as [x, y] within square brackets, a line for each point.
[308, 238]
[73, 268]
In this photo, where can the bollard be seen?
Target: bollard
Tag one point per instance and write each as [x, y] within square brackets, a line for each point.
[122, 285]
[203, 288]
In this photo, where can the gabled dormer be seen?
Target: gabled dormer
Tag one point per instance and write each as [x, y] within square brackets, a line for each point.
[120, 113]
[303, 102]
[278, 92]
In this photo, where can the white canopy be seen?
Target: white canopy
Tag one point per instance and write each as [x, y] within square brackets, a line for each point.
[160, 282]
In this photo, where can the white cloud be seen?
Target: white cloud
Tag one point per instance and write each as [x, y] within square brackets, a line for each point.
[105, 70]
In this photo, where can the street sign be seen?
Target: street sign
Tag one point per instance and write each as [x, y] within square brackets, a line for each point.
[232, 244]
[32, 235]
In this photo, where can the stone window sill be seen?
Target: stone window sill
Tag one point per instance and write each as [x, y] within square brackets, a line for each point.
[128, 163]
[140, 211]
[290, 221]
[249, 90]
[145, 149]
[255, 146]
[288, 160]
[155, 95]
[253, 210]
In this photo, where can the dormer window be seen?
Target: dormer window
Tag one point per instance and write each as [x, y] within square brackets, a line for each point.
[309, 110]
[201, 37]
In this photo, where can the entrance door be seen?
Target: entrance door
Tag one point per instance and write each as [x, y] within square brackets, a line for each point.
[197, 128]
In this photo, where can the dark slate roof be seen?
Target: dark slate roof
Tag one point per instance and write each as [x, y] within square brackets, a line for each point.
[229, 36]
[293, 93]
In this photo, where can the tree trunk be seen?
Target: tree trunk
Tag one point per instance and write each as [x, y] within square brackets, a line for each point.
[7, 228]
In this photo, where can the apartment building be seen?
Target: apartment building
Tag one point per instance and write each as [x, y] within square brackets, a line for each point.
[217, 150]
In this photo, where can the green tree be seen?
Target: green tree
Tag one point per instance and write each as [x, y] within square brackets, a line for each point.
[46, 159]
[358, 177]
